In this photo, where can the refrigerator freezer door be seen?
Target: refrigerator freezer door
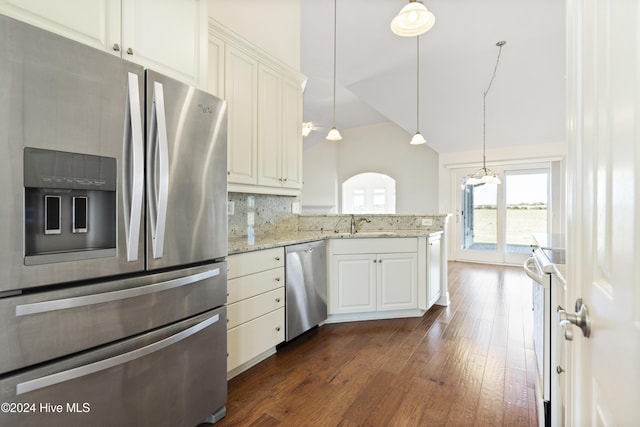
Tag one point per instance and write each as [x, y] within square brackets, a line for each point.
[186, 173]
[174, 376]
[60, 95]
[47, 325]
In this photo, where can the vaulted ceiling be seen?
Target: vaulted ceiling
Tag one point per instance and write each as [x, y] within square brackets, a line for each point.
[376, 70]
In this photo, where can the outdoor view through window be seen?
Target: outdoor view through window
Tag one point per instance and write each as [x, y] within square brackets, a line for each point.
[523, 205]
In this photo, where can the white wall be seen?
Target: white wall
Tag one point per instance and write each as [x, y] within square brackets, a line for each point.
[382, 148]
[272, 25]
[320, 177]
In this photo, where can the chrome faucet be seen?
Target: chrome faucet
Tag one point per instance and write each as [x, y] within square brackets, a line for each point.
[355, 224]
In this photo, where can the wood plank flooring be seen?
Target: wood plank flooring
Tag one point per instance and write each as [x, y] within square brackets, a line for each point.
[470, 364]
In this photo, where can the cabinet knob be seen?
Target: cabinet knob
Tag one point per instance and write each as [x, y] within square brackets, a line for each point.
[277, 299]
[285, 180]
[277, 279]
[375, 261]
[277, 258]
[228, 172]
[129, 51]
[116, 47]
[277, 328]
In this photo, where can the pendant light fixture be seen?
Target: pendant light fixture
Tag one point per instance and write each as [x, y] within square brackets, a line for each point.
[418, 138]
[334, 134]
[412, 20]
[485, 175]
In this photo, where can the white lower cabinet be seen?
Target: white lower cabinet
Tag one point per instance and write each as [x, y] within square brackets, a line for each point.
[434, 259]
[384, 280]
[255, 310]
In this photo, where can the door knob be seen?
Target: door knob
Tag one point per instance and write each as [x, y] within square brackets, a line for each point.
[580, 319]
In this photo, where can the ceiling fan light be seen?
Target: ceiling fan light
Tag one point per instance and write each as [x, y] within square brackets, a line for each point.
[418, 139]
[334, 135]
[412, 20]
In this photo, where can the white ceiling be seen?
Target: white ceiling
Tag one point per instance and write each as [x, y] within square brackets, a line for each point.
[376, 70]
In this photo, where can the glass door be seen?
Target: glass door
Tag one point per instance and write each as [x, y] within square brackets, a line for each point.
[496, 221]
[526, 211]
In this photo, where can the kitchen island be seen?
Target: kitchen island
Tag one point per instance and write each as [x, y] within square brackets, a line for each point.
[378, 267]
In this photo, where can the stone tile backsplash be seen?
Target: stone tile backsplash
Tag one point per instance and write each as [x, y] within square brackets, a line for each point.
[272, 214]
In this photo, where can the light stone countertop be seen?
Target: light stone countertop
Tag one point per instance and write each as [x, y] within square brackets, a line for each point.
[241, 245]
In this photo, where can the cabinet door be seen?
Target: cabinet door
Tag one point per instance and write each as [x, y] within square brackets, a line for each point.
[93, 22]
[433, 270]
[269, 127]
[291, 134]
[353, 285]
[167, 36]
[397, 281]
[215, 68]
[240, 89]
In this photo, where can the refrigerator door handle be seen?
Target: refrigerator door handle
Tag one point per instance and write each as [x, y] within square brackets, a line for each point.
[133, 168]
[83, 301]
[158, 171]
[82, 371]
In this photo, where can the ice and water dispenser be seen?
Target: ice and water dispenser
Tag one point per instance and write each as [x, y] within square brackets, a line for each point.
[69, 207]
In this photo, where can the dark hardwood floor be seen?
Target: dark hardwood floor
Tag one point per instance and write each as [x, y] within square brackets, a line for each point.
[470, 364]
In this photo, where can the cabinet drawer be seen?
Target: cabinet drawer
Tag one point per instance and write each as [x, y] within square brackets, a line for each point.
[372, 245]
[254, 284]
[254, 262]
[253, 338]
[254, 307]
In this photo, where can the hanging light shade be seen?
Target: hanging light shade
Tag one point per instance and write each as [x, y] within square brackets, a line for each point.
[485, 175]
[412, 20]
[334, 134]
[418, 138]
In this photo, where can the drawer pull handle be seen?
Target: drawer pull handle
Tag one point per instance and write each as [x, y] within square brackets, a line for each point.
[121, 359]
[107, 297]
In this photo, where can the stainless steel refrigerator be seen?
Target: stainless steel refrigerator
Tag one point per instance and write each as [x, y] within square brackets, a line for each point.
[114, 237]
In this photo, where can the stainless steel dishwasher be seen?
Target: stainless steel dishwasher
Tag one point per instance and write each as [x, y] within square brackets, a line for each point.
[306, 287]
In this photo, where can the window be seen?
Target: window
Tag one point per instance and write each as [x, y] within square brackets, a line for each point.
[369, 192]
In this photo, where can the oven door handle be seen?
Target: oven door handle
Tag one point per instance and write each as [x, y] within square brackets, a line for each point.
[105, 297]
[121, 359]
[532, 270]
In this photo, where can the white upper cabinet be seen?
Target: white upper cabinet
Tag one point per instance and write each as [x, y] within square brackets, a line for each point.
[242, 115]
[168, 36]
[265, 114]
[95, 23]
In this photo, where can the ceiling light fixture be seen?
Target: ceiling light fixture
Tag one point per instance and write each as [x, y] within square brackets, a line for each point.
[418, 138]
[334, 134]
[485, 175]
[412, 20]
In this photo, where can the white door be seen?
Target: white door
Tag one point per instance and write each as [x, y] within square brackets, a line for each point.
[604, 209]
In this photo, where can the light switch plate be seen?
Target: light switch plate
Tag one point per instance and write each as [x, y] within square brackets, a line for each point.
[251, 201]
[250, 218]
[295, 207]
[427, 222]
[231, 208]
